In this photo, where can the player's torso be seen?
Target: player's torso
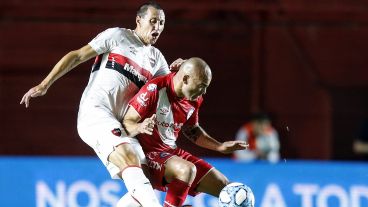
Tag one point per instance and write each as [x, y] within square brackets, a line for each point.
[171, 115]
[129, 63]
[118, 74]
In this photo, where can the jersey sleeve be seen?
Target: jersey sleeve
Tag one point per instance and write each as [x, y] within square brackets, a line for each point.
[106, 40]
[145, 101]
[161, 65]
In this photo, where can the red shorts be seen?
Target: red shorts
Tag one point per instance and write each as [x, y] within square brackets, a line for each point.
[156, 163]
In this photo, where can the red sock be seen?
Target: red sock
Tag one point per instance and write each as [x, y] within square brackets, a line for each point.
[176, 193]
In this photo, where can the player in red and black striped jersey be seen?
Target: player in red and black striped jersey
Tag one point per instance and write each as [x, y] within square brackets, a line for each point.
[167, 105]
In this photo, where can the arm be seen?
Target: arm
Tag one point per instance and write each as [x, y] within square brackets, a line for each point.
[65, 64]
[198, 136]
[133, 127]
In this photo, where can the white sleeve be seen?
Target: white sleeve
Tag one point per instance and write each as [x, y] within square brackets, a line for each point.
[106, 40]
[163, 67]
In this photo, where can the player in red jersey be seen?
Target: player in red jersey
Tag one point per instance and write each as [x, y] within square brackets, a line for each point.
[166, 105]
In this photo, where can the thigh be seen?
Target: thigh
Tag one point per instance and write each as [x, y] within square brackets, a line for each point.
[102, 137]
[110, 145]
[212, 183]
[203, 168]
[156, 167]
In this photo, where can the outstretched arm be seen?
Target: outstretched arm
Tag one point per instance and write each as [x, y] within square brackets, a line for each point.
[197, 135]
[65, 64]
[133, 127]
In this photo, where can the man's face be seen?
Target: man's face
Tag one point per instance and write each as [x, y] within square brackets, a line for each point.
[260, 127]
[150, 26]
[195, 87]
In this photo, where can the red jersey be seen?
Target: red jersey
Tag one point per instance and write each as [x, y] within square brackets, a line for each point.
[158, 96]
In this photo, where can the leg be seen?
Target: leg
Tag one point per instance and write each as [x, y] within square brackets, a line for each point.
[180, 174]
[213, 183]
[122, 157]
[128, 201]
[126, 159]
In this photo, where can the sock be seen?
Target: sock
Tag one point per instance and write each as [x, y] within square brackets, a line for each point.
[139, 186]
[128, 201]
[176, 193]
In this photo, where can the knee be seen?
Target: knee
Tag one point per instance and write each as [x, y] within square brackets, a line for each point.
[186, 171]
[124, 155]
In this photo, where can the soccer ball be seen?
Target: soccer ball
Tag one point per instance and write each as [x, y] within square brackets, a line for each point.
[236, 195]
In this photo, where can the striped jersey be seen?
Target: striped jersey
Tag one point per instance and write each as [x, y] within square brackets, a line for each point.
[123, 66]
[158, 97]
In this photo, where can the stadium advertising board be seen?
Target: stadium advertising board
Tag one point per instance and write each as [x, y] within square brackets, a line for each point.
[80, 181]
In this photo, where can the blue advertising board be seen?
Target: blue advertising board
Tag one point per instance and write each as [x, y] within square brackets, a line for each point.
[83, 181]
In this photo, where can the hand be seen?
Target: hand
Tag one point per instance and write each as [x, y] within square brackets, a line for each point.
[146, 127]
[231, 146]
[176, 64]
[38, 90]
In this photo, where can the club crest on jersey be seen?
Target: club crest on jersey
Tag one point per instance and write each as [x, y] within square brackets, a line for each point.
[190, 112]
[142, 99]
[151, 87]
[116, 132]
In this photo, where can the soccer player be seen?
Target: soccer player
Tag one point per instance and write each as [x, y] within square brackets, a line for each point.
[125, 61]
[166, 105]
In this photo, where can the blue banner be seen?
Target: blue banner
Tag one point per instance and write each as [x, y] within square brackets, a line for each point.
[83, 181]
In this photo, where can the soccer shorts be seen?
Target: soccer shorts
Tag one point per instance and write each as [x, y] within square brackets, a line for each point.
[103, 139]
[156, 164]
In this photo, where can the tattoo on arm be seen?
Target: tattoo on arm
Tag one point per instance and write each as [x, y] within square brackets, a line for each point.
[192, 132]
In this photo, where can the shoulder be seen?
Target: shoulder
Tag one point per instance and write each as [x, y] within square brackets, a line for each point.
[117, 32]
[161, 81]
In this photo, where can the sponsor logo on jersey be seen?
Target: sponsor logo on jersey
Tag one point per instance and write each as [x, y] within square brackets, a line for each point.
[151, 87]
[174, 126]
[190, 112]
[116, 132]
[134, 72]
[164, 110]
[130, 69]
[142, 99]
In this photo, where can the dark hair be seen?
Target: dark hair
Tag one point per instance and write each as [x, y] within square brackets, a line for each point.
[144, 7]
[260, 116]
